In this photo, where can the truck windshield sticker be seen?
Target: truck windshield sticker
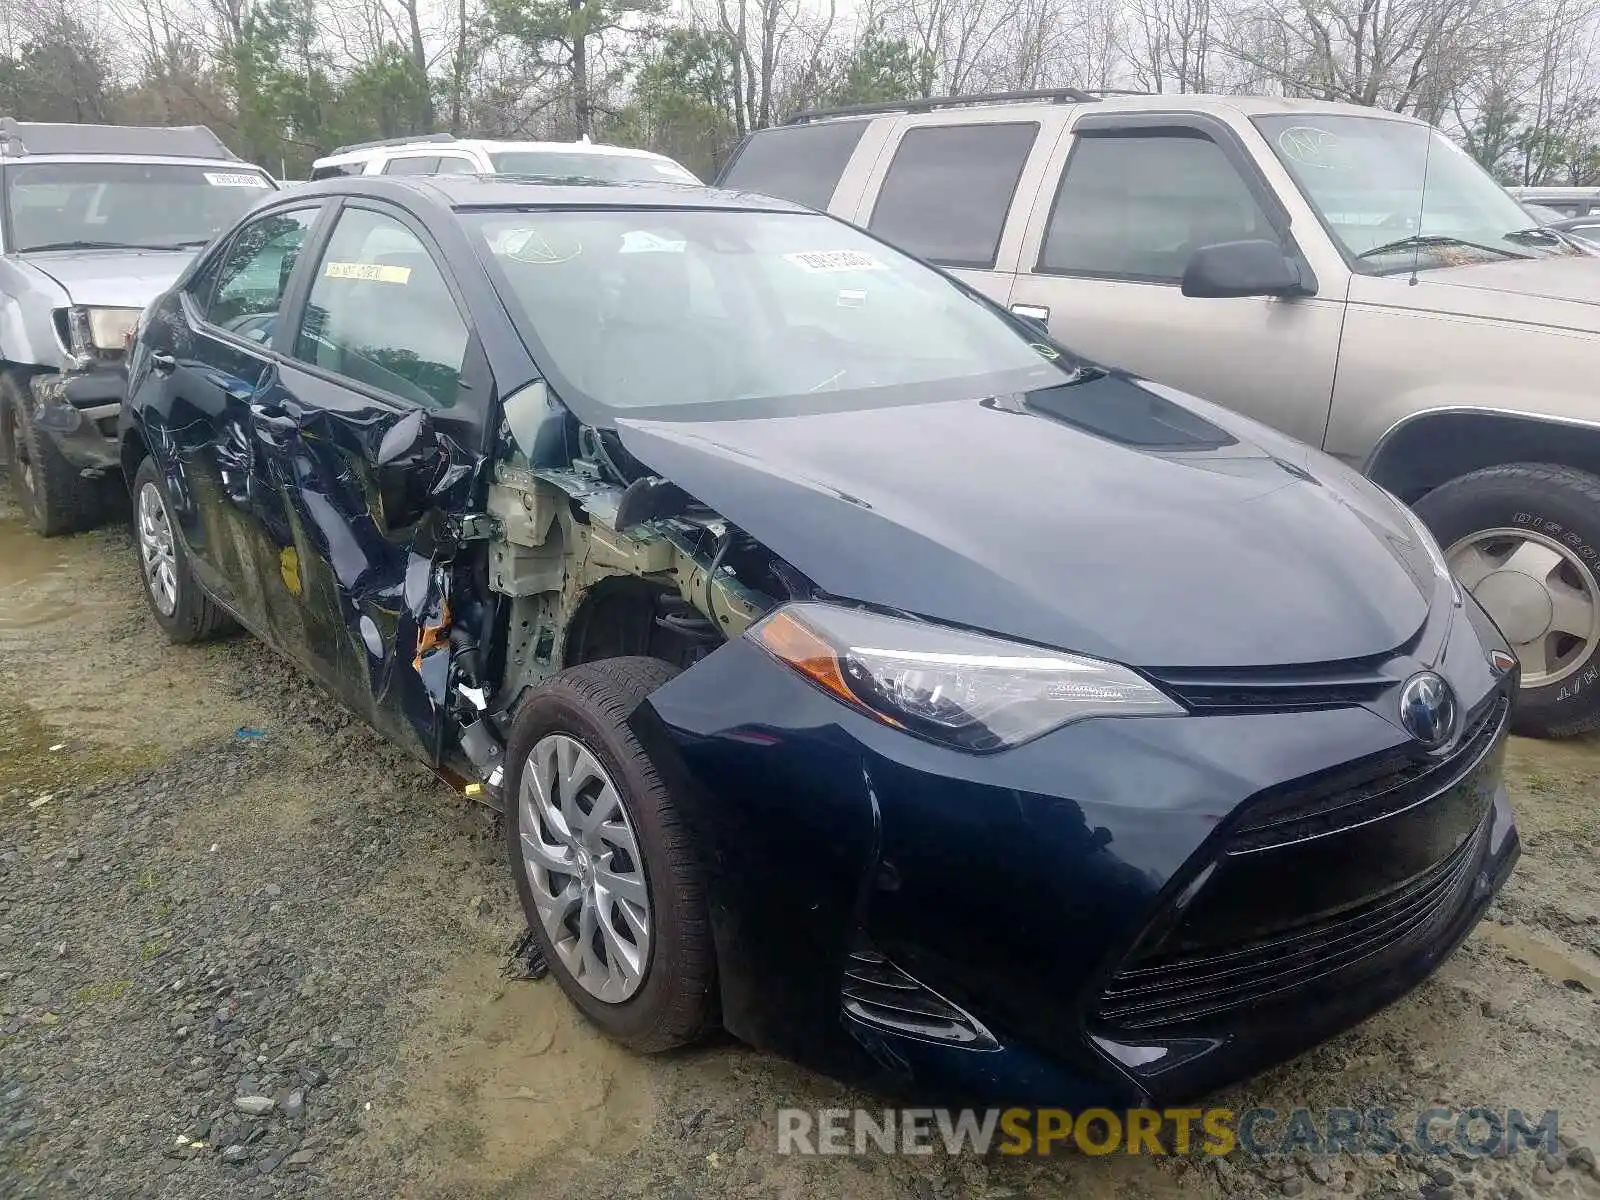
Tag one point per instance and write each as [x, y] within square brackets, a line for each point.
[234, 179]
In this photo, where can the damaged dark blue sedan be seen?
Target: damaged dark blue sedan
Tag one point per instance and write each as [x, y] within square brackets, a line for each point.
[857, 669]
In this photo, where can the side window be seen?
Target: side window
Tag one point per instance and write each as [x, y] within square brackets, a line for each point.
[381, 314]
[413, 164]
[1138, 206]
[455, 164]
[334, 170]
[948, 191]
[241, 292]
[801, 163]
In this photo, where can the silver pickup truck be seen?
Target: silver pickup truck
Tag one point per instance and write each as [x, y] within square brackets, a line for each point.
[1345, 274]
[95, 222]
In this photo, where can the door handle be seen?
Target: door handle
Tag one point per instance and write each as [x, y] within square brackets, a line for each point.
[163, 364]
[1031, 312]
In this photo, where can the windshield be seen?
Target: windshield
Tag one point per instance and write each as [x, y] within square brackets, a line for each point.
[638, 309]
[609, 168]
[1365, 178]
[83, 205]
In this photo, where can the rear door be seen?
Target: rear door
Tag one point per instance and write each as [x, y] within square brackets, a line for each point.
[956, 189]
[1127, 201]
[371, 445]
[209, 364]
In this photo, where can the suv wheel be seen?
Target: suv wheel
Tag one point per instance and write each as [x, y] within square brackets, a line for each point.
[179, 605]
[54, 498]
[602, 858]
[1525, 540]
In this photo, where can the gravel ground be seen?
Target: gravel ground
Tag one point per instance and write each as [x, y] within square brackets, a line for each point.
[246, 949]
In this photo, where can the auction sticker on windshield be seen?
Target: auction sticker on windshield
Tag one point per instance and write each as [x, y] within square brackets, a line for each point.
[371, 272]
[234, 179]
[818, 261]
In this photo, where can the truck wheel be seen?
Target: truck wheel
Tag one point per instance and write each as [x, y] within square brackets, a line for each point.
[1525, 540]
[54, 498]
[602, 858]
[177, 601]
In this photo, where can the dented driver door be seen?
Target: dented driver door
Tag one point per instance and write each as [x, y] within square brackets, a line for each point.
[367, 438]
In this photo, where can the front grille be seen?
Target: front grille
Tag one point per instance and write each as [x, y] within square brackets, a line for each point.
[1167, 992]
[1368, 791]
[878, 993]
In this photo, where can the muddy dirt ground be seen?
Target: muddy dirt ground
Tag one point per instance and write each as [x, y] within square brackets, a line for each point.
[216, 887]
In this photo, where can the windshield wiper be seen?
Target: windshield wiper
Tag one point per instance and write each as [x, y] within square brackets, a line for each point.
[77, 245]
[1422, 241]
[186, 244]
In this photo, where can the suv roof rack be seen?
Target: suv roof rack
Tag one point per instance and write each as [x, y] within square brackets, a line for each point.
[1062, 95]
[414, 139]
[18, 138]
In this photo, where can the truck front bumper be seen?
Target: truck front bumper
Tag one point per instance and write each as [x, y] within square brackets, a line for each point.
[78, 413]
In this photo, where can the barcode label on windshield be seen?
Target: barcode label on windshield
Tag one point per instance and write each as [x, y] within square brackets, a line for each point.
[234, 179]
[817, 261]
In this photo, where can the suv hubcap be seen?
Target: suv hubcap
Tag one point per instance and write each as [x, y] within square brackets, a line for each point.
[584, 868]
[1540, 594]
[155, 550]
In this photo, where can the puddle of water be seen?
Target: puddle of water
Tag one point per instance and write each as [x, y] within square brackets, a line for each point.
[34, 587]
[1562, 965]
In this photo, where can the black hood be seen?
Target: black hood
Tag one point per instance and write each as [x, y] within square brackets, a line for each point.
[1098, 516]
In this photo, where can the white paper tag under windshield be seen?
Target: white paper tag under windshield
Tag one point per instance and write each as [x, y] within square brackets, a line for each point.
[234, 179]
[819, 261]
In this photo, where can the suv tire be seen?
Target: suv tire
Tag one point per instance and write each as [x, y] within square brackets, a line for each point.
[586, 710]
[178, 603]
[54, 497]
[1525, 539]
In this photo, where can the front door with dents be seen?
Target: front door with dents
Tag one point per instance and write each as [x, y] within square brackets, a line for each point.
[370, 443]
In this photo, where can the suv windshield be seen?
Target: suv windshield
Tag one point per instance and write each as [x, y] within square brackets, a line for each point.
[609, 168]
[110, 204]
[1365, 177]
[639, 309]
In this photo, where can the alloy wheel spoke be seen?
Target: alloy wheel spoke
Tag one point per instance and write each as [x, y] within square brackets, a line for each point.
[1571, 609]
[536, 852]
[1534, 559]
[1534, 656]
[622, 956]
[629, 889]
[1471, 565]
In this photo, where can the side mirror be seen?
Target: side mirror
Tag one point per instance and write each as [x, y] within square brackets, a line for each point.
[1250, 268]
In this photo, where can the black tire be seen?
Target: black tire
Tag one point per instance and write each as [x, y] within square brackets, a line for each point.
[1537, 497]
[53, 495]
[195, 617]
[676, 1003]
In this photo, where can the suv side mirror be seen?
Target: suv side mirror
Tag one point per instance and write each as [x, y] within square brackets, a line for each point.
[1255, 267]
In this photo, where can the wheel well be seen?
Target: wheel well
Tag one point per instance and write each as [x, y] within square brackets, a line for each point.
[624, 616]
[1438, 447]
[133, 452]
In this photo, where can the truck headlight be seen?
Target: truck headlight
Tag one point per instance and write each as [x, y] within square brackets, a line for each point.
[965, 690]
[95, 332]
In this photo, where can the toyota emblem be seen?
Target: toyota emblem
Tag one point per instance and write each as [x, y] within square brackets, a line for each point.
[1428, 709]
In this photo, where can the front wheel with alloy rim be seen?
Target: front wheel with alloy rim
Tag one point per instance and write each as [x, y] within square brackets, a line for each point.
[179, 605]
[1524, 539]
[603, 860]
[53, 495]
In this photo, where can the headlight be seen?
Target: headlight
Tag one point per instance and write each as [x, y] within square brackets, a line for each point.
[963, 689]
[97, 330]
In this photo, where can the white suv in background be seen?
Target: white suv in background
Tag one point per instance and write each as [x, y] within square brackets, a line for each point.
[444, 154]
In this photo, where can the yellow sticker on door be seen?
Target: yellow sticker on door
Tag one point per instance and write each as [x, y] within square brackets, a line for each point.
[372, 272]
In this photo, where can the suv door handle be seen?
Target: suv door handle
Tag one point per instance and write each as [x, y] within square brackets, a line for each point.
[1032, 312]
[163, 363]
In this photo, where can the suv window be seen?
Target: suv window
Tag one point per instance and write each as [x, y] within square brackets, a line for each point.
[243, 288]
[381, 314]
[801, 163]
[413, 164]
[455, 164]
[1137, 206]
[948, 191]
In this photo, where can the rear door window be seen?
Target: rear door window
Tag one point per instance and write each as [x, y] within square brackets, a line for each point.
[949, 189]
[801, 163]
[1137, 206]
[413, 164]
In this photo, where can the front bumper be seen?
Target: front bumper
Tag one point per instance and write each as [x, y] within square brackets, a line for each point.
[78, 413]
[1014, 892]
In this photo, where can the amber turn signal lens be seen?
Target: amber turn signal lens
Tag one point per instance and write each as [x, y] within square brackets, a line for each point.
[787, 639]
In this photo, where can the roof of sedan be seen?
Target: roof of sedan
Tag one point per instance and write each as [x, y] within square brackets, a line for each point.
[506, 191]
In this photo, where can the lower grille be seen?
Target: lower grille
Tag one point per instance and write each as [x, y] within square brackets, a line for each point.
[1166, 992]
[878, 993]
